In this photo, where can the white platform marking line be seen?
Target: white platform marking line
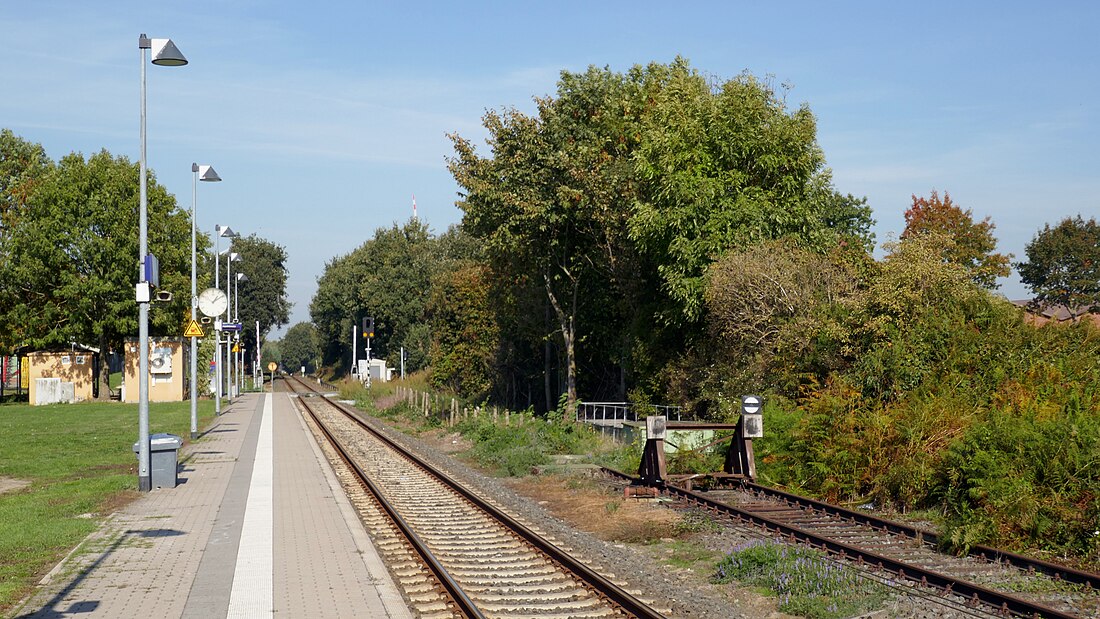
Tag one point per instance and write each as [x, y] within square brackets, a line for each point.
[253, 591]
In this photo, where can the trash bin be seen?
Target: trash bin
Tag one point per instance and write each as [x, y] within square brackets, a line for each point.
[163, 449]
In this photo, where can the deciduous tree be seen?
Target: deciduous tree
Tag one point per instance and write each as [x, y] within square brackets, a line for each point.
[263, 295]
[73, 258]
[299, 349]
[973, 243]
[1063, 265]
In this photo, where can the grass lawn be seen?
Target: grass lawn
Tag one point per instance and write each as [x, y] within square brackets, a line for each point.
[80, 463]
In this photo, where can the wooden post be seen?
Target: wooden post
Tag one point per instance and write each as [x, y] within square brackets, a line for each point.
[507, 417]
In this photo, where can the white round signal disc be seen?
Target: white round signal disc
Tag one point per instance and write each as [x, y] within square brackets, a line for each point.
[213, 302]
[751, 404]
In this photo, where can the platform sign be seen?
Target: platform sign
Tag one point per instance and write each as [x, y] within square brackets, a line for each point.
[231, 326]
[193, 330]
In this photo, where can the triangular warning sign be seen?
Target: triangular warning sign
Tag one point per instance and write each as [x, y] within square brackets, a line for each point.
[236, 348]
[193, 330]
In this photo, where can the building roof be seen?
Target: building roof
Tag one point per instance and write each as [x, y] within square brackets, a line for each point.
[1057, 312]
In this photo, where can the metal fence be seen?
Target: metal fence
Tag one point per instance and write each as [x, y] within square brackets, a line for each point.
[619, 412]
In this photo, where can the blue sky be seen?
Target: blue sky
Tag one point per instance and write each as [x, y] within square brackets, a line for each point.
[325, 118]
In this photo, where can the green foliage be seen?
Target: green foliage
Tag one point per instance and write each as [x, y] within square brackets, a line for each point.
[263, 295]
[514, 449]
[604, 211]
[1063, 265]
[74, 255]
[774, 309]
[806, 582]
[466, 334]
[299, 348]
[972, 244]
[726, 166]
[22, 166]
[946, 399]
[388, 278]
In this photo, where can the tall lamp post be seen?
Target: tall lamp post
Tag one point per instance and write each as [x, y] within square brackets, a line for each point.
[165, 53]
[219, 232]
[230, 258]
[239, 376]
[207, 174]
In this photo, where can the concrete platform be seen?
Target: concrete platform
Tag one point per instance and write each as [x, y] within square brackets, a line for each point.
[259, 525]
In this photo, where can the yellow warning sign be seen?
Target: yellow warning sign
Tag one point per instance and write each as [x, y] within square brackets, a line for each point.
[236, 348]
[193, 330]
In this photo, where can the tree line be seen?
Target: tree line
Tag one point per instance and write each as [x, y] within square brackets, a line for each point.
[666, 237]
[69, 255]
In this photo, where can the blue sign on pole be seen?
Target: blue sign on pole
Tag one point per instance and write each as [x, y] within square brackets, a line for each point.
[231, 326]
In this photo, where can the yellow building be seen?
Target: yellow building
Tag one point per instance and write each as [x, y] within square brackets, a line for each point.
[168, 370]
[61, 376]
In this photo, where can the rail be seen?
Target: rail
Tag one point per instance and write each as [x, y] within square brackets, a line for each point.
[914, 573]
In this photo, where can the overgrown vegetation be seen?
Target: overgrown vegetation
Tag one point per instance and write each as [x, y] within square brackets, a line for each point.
[806, 582]
[939, 396]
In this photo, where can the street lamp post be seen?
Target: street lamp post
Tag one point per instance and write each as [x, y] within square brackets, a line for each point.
[219, 232]
[239, 376]
[207, 174]
[165, 53]
[230, 258]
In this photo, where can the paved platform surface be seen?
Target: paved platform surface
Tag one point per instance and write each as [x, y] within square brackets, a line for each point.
[258, 525]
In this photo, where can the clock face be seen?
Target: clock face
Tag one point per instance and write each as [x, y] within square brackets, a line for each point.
[213, 302]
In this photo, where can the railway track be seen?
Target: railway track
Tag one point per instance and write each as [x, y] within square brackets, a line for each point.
[1001, 583]
[454, 553]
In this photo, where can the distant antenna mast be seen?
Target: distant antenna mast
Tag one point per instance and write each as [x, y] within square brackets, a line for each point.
[414, 206]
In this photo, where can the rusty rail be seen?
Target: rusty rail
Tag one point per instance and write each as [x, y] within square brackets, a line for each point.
[1002, 602]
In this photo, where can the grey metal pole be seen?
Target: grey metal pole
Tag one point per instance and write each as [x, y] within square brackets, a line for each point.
[237, 335]
[217, 334]
[144, 480]
[228, 318]
[194, 305]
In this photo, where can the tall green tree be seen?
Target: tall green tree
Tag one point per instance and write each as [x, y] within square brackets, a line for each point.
[298, 348]
[74, 258]
[616, 196]
[263, 295]
[465, 331]
[388, 278]
[551, 202]
[22, 167]
[1063, 265]
[973, 243]
[333, 309]
[727, 165]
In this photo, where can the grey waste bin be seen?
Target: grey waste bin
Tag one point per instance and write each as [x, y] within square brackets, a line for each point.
[162, 459]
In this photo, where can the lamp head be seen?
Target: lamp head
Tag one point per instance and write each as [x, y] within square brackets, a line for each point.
[234, 257]
[241, 277]
[166, 54]
[226, 231]
[206, 173]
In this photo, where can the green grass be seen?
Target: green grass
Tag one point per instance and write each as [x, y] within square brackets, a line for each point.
[80, 462]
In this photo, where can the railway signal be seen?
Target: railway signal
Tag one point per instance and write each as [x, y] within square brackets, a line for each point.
[751, 416]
